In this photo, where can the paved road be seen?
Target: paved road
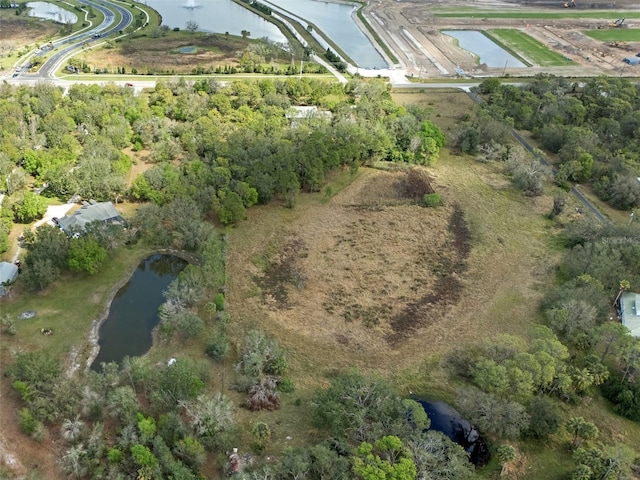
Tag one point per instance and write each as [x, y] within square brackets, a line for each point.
[76, 41]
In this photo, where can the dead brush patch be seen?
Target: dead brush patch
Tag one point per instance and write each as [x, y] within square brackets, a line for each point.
[160, 54]
[368, 270]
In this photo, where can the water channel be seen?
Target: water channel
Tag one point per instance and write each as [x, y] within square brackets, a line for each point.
[133, 313]
[49, 11]
[490, 53]
[219, 16]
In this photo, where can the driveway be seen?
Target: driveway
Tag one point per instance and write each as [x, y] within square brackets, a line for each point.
[52, 211]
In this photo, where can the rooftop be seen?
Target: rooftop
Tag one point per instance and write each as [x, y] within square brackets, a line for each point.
[89, 212]
[630, 312]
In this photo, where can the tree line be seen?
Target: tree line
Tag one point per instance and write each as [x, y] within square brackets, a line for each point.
[590, 127]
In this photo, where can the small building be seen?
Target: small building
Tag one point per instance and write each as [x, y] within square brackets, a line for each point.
[300, 113]
[630, 312]
[8, 275]
[90, 212]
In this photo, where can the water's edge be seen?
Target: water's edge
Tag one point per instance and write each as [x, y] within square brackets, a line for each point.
[93, 335]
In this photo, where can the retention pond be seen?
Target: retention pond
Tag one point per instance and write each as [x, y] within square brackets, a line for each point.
[489, 52]
[133, 313]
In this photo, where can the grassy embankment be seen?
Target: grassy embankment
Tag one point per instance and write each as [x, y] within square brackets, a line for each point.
[518, 42]
[615, 35]
[568, 14]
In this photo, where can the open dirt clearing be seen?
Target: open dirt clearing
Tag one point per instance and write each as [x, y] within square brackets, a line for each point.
[413, 32]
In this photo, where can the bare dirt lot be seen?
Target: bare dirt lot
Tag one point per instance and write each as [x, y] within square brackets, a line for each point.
[413, 32]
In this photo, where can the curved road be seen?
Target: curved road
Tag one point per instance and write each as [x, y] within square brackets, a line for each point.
[76, 41]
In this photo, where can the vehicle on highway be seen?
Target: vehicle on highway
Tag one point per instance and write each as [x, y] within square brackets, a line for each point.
[128, 84]
[15, 74]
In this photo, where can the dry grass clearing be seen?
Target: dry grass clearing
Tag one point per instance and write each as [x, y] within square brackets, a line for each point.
[367, 280]
[18, 31]
[148, 54]
[332, 277]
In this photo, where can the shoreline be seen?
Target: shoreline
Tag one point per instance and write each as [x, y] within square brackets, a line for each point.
[93, 337]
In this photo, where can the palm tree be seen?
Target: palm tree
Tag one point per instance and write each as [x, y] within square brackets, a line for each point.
[71, 429]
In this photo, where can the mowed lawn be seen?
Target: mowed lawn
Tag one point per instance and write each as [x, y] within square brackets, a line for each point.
[568, 13]
[527, 46]
[615, 34]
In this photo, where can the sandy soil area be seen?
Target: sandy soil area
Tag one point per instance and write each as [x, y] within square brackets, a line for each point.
[412, 31]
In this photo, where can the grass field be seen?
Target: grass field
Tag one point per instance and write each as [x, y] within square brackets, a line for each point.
[615, 34]
[569, 13]
[531, 49]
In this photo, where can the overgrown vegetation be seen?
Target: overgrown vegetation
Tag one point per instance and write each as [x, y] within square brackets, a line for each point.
[590, 128]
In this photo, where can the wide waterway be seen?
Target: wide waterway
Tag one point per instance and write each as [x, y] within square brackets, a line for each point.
[220, 16]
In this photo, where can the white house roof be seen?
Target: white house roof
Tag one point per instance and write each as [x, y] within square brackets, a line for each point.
[630, 312]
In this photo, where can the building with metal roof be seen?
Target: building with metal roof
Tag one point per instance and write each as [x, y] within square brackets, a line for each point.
[90, 212]
[630, 312]
[8, 275]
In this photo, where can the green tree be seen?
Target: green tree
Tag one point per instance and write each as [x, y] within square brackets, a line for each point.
[493, 416]
[145, 460]
[229, 207]
[29, 208]
[387, 459]
[86, 255]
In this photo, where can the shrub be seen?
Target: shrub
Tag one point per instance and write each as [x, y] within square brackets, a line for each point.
[285, 385]
[219, 301]
[218, 347]
[27, 421]
[432, 200]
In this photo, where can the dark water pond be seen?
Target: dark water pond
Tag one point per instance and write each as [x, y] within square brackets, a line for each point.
[134, 311]
[444, 418]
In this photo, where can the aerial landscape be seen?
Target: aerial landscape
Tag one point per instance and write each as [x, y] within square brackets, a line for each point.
[312, 239]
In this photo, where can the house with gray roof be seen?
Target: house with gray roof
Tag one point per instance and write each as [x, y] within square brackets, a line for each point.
[8, 275]
[90, 212]
[630, 312]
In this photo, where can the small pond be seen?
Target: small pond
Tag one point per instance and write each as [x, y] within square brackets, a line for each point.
[49, 11]
[447, 420]
[133, 314]
[490, 53]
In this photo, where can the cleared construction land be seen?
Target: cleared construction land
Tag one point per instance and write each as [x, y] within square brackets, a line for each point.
[564, 41]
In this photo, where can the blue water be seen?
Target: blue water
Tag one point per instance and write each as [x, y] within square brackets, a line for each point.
[334, 20]
[489, 52]
[133, 314]
[217, 16]
[49, 11]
